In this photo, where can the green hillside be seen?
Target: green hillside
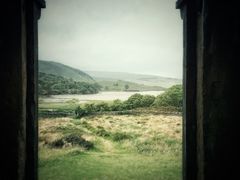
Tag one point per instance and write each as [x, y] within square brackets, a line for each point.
[109, 81]
[148, 80]
[50, 67]
[120, 85]
[49, 84]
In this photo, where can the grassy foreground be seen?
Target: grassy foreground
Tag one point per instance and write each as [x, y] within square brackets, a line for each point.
[143, 146]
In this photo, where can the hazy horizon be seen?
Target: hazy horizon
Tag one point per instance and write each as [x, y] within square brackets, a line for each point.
[129, 36]
[86, 71]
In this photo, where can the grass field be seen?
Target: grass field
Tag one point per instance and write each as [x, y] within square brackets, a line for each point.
[142, 146]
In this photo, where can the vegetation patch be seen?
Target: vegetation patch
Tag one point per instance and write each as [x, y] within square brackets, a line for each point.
[120, 85]
[78, 140]
[50, 84]
[72, 140]
[118, 136]
[58, 143]
[120, 144]
[171, 99]
[159, 144]
[100, 131]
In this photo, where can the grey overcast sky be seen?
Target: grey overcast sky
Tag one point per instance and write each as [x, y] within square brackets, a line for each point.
[138, 36]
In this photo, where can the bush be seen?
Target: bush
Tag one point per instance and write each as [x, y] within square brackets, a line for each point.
[89, 108]
[117, 105]
[101, 107]
[78, 140]
[59, 143]
[80, 112]
[73, 139]
[147, 100]
[134, 101]
[172, 97]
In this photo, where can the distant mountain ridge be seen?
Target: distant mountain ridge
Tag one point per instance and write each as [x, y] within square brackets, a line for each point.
[109, 80]
[148, 80]
[58, 69]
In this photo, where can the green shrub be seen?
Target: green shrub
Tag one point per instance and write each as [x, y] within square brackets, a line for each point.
[59, 143]
[172, 97]
[89, 108]
[73, 139]
[101, 107]
[80, 112]
[147, 100]
[127, 106]
[78, 140]
[134, 101]
[117, 105]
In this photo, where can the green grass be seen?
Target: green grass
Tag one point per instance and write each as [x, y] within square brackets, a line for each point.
[60, 106]
[68, 105]
[61, 109]
[144, 146]
[93, 165]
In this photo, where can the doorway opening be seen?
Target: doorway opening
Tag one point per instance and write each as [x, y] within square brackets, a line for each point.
[110, 93]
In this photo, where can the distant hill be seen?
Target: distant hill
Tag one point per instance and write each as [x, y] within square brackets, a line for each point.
[58, 69]
[109, 81]
[148, 80]
[120, 85]
[49, 84]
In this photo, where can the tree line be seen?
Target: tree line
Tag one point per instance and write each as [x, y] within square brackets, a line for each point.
[172, 97]
[49, 84]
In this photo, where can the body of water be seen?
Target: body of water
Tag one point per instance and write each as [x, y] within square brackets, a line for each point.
[101, 96]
